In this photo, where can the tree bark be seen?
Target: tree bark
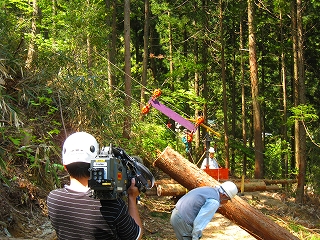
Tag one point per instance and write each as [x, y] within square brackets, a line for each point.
[284, 130]
[112, 39]
[171, 189]
[237, 210]
[196, 87]
[170, 54]
[127, 69]
[176, 189]
[300, 139]
[224, 85]
[295, 94]
[145, 55]
[31, 47]
[257, 128]
[54, 24]
[151, 192]
[243, 101]
[89, 53]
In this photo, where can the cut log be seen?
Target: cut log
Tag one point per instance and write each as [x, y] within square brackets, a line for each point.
[267, 181]
[171, 189]
[273, 187]
[252, 186]
[176, 189]
[237, 210]
[165, 181]
[279, 181]
[151, 192]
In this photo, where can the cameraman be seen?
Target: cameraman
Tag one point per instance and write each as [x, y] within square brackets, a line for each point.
[76, 215]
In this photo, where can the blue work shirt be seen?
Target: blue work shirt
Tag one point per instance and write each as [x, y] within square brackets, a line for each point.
[204, 216]
[198, 207]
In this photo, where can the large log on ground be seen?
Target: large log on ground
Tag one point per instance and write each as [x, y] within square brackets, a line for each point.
[176, 189]
[151, 192]
[237, 210]
[171, 189]
[267, 181]
[252, 186]
[280, 181]
[165, 181]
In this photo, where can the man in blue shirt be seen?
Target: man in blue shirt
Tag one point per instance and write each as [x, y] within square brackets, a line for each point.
[195, 210]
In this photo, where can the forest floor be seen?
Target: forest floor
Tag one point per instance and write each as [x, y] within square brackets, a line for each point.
[23, 215]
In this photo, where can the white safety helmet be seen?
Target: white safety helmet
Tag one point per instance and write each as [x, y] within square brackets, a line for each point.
[79, 147]
[229, 188]
[211, 150]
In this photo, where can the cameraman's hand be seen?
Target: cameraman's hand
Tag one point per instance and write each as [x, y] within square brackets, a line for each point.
[133, 191]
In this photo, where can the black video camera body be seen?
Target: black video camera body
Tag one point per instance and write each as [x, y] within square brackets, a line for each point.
[111, 173]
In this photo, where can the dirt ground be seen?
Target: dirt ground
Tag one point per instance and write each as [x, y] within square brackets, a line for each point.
[302, 221]
[23, 215]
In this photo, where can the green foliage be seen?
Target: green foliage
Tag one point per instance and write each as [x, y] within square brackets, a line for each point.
[304, 232]
[305, 113]
[275, 154]
[3, 151]
[150, 137]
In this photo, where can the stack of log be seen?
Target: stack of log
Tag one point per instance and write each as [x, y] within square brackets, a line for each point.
[237, 210]
[170, 187]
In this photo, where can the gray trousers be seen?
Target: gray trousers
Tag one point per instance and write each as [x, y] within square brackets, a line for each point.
[182, 229]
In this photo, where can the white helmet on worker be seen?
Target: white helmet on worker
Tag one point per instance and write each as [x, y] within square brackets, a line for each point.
[79, 147]
[229, 188]
[211, 150]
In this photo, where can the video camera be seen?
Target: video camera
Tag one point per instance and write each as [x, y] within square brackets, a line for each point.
[111, 173]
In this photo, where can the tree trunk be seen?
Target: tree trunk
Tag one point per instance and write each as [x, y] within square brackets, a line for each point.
[112, 39]
[196, 87]
[151, 192]
[300, 133]
[257, 129]
[176, 189]
[170, 54]
[284, 134]
[165, 181]
[54, 24]
[89, 54]
[237, 210]
[127, 70]
[31, 47]
[294, 159]
[204, 86]
[89, 47]
[171, 189]
[145, 55]
[224, 85]
[196, 81]
[234, 95]
[243, 102]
